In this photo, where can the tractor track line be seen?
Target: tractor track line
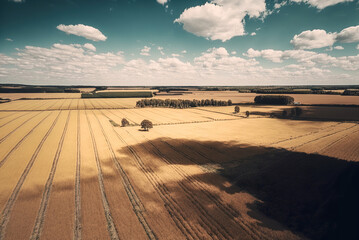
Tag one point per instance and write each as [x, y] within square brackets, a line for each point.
[14, 119]
[2, 162]
[227, 210]
[4, 138]
[195, 181]
[39, 222]
[136, 203]
[110, 223]
[170, 204]
[205, 224]
[77, 220]
[5, 215]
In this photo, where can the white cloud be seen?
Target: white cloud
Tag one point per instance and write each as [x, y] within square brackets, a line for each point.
[319, 38]
[145, 51]
[89, 46]
[184, 52]
[310, 39]
[9, 39]
[320, 4]
[349, 35]
[253, 34]
[307, 58]
[73, 63]
[357, 47]
[175, 55]
[220, 19]
[338, 48]
[163, 2]
[233, 52]
[17, 1]
[81, 30]
[160, 49]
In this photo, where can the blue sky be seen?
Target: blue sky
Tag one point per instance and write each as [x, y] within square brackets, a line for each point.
[179, 42]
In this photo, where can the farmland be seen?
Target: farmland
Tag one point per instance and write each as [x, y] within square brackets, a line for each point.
[201, 173]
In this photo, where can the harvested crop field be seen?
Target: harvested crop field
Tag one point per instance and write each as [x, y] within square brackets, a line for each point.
[248, 97]
[66, 171]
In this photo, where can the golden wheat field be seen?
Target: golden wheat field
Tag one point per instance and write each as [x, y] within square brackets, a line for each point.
[67, 171]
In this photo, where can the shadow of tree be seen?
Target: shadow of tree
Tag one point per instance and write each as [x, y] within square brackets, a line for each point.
[312, 194]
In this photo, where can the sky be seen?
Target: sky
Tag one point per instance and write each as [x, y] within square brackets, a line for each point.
[179, 42]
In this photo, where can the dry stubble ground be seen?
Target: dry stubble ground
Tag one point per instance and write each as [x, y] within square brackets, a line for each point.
[71, 173]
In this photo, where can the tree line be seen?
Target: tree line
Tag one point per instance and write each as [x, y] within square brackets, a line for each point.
[274, 100]
[181, 103]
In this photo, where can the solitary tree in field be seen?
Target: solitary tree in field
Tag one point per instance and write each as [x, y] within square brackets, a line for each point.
[247, 114]
[146, 124]
[124, 122]
[236, 109]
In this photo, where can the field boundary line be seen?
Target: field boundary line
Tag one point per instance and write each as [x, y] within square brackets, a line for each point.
[2, 162]
[36, 232]
[110, 223]
[5, 215]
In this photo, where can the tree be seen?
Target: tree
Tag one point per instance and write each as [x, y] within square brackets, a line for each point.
[229, 102]
[124, 122]
[247, 114]
[236, 109]
[146, 124]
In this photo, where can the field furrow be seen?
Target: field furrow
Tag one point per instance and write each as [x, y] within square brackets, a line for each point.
[37, 230]
[113, 232]
[62, 189]
[174, 210]
[4, 217]
[15, 140]
[203, 221]
[203, 197]
[25, 207]
[93, 220]
[133, 198]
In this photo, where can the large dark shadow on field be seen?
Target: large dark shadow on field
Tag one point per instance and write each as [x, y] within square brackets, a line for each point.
[314, 195]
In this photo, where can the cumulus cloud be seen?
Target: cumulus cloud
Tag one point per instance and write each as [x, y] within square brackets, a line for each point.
[357, 47]
[306, 58]
[349, 35]
[163, 2]
[220, 19]
[310, 39]
[17, 1]
[320, 4]
[160, 49]
[89, 46]
[319, 38]
[338, 48]
[81, 30]
[74, 63]
[9, 39]
[253, 34]
[145, 51]
[184, 52]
